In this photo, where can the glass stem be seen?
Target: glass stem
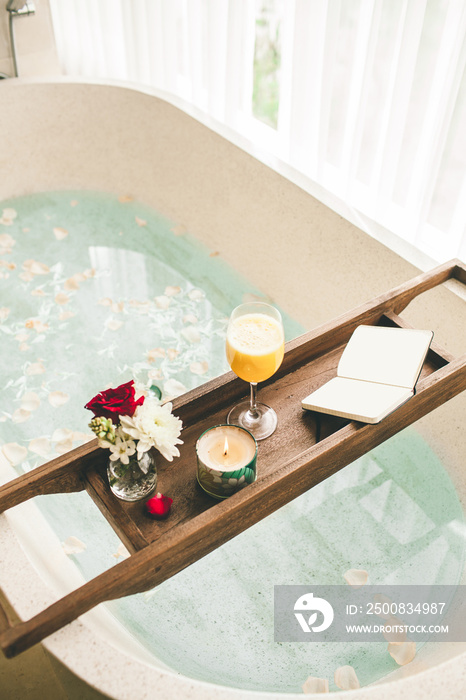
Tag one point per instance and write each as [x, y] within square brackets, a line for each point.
[253, 398]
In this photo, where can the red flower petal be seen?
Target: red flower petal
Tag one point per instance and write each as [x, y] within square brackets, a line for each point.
[114, 403]
[159, 506]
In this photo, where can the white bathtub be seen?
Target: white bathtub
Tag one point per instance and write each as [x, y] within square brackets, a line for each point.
[66, 135]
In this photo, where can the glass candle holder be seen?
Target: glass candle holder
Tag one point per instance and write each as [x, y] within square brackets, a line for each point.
[226, 460]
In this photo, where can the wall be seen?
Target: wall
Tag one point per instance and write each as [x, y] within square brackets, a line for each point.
[35, 42]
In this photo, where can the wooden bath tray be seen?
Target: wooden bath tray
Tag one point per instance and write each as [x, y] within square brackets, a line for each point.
[299, 455]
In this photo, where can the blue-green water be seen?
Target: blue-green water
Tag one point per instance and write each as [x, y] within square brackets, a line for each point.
[96, 291]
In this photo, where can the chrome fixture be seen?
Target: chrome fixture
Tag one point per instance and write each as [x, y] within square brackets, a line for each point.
[17, 8]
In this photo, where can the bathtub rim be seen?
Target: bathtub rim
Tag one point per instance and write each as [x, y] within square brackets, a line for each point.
[389, 239]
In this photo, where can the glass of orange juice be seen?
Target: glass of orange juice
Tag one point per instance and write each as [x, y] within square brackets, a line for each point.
[255, 346]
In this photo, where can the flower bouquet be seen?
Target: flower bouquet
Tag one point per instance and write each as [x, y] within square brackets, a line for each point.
[129, 428]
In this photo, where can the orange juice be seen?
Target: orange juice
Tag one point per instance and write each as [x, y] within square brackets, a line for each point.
[255, 346]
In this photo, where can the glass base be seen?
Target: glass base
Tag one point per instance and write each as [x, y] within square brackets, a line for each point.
[133, 481]
[260, 423]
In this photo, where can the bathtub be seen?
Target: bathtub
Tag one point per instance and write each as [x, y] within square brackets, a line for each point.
[64, 135]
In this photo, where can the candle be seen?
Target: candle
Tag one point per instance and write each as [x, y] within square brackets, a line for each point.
[226, 460]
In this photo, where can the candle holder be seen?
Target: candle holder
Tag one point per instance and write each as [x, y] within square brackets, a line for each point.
[226, 460]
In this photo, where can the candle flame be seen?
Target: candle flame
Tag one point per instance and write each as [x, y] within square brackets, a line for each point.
[225, 447]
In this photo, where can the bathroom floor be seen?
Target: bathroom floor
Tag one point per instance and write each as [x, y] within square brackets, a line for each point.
[34, 676]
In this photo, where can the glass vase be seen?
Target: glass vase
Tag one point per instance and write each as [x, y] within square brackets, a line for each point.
[135, 480]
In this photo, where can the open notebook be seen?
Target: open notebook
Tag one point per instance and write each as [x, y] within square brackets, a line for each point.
[377, 373]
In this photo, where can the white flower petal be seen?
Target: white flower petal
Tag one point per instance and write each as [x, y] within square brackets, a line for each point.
[140, 222]
[174, 388]
[63, 446]
[346, 678]
[191, 334]
[315, 685]
[402, 653]
[40, 446]
[14, 453]
[71, 284]
[30, 401]
[35, 368]
[61, 434]
[8, 215]
[162, 302]
[60, 233]
[61, 298]
[113, 325]
[170, 291]
[4, 313]
[72, 545]
[196, 294]
[153, 354]
[394, 631]
[199, 367]
[58, 398]
[121, 552]
[34, 267]
[356, 578]
[20, 415]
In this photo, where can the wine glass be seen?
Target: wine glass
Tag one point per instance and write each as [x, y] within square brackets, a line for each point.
[255, 346]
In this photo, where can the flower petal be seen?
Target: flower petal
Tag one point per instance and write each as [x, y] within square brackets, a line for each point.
[191, 334]
[35, 368]
[30, 401]
[58, 398]
[173, 388]
[14, 453]
[61, 298]
[345, 678]
[199, 367]
[20, 415]
[72, 545]
[162, 302]
[170, 291]
[402, 653]
[113, 325]
[196, 294]
[315, 685]
[40, 446]
[60, 233]
[356, 578]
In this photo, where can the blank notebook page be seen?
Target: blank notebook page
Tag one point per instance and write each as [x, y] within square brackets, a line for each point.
[351, 397]
[385, 355]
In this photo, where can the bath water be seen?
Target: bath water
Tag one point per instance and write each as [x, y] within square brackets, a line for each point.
[98, 289]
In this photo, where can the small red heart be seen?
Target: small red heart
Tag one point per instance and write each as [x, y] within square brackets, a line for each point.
[159, 506]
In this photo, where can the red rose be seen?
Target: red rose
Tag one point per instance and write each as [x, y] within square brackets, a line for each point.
[114, 403]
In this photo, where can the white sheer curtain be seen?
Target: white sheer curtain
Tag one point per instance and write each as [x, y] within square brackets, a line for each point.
[371, 100]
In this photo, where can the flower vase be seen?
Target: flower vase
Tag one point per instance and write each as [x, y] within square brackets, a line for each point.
[135, 480]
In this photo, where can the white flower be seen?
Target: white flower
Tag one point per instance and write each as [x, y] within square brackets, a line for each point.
[122, 450]
[154, 425]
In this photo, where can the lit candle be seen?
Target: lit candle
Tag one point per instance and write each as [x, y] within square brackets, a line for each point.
[226, 460]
